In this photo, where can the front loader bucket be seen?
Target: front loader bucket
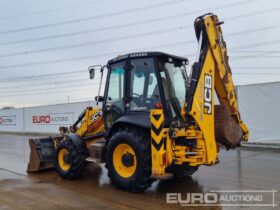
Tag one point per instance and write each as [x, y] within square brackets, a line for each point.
[42, 154]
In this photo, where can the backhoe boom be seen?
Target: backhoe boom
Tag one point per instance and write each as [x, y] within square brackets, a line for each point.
[209, 33]
[223, 78]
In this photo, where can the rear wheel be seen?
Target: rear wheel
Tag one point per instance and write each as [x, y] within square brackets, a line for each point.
[69, 161]
[184, 170]
[128, 160]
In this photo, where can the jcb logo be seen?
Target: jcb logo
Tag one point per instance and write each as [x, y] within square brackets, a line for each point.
[208, 94]
[96, 116]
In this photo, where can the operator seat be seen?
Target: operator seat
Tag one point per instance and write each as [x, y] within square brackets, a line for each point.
[166, 89]
[156, 93]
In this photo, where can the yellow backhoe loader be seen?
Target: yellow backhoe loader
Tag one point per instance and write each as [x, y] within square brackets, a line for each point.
[156, 122]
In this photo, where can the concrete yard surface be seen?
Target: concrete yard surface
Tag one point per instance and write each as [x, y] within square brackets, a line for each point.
[243, 169]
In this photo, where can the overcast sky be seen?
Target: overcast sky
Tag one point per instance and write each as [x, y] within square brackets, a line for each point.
[47, 46]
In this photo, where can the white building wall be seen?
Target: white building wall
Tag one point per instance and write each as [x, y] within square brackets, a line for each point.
[11, 120]
[49, 118]
[41, 119]
[259, 106]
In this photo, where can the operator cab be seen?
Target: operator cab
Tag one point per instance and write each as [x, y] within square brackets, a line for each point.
[139, 82]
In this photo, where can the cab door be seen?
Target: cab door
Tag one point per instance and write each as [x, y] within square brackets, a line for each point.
[113, 106]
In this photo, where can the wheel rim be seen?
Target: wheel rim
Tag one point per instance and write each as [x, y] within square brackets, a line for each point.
[62, 155]
[124, 152]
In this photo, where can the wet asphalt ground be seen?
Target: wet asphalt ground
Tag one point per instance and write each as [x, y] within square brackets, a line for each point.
[240, 169]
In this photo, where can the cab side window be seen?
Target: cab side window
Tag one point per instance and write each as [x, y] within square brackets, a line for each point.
[144, 89]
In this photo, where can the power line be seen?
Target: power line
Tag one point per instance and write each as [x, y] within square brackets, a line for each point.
[46, 90]
[260, 44]
[249, 46]
[72, 81]
[85, 80]
[41, 76]
[94, 30]
[65, 88]
[89, 85]
[254, 56]
[243, 32]
[275, 9]
[127, 25]
[95, 17]
[157, 32]
[91, 56]
[126, 12]
[260, 54]
[245, 46]
[169, 30]
[120, 13]
[267, 56]
[64, 101]
[50, 10]
[47, 78]
[52, 83]
[253, 30]
[257, 67]
[257, 73]
[253, 51]
[114, 53]
[159, 19]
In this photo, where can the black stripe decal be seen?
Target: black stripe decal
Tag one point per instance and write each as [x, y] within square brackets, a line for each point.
[157, 145]
[156, 116]
[156, 130]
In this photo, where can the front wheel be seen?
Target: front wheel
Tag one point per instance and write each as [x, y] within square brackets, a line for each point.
[128, 160]
[69, 161]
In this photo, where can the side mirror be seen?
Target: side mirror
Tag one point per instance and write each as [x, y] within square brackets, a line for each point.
[91, 70]
[99, 99]
[151, 80]
[91, 73]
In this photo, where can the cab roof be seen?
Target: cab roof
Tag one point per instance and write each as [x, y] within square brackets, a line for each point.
[147, 54]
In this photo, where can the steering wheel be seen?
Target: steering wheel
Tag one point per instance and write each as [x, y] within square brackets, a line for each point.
[138, 99]
[136, 94]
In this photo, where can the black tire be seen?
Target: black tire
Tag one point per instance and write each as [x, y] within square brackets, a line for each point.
[140, 143]
[75, 159]
[184, 170]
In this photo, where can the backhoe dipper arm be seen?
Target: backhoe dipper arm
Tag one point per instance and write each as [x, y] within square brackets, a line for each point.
[208, 26]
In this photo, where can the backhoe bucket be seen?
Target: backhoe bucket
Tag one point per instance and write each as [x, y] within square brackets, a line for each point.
[42, 154]
[227, 131]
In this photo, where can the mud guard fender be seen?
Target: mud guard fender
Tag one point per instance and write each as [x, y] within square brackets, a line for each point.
[78, 142]
[143, 121]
